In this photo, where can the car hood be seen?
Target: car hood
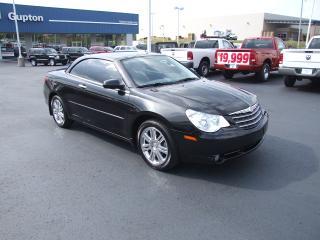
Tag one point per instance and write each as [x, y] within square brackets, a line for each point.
[205, 96]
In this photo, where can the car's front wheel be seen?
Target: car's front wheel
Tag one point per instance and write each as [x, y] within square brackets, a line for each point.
[156, 146]
[289, 81]
[59, 113]
[204, 68]
[34, 62]
[264, 74]
[52, 62]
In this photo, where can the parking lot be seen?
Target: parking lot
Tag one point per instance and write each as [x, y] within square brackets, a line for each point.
[82, 184]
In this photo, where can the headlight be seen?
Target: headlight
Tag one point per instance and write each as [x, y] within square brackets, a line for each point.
[206, 122]
[57, 57]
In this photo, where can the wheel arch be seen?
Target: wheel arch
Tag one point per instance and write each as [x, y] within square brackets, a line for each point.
[145, 116]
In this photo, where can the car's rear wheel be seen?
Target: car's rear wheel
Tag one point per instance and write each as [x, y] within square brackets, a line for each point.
[289, 81]
[59, 113]
[204, 68]
[156, 146]
[227, 74]
[34, 62]
[52, 62]
[264, 74]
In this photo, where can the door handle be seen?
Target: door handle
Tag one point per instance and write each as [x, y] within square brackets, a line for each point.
[82, 86]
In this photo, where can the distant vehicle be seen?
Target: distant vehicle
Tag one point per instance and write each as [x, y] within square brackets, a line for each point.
[11, 50]
[57, 47]
[258, 55]
[201, 57]
[74, 52]
[100, 49]
[125, 49]
[156, 47]
[46, 56]
[161, 107]
[23, 52]
[297, 64]
[187, 45]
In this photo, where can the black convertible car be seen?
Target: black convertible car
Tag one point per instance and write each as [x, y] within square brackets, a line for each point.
[170, 113]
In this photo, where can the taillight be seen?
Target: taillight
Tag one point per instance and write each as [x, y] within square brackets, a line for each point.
[253, 59]
[281, 58]
[190, 55]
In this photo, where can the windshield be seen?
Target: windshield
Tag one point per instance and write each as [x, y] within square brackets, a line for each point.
[315, 44]
[207, 44]
[50, 51]
[156, 70]
[257, 43]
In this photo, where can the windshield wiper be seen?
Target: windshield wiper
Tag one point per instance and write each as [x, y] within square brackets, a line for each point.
[186, 79]
[155, 84]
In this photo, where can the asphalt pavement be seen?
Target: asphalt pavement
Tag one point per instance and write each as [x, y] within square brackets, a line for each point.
[81, 184]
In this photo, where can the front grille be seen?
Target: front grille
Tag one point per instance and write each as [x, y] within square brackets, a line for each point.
[249, 117]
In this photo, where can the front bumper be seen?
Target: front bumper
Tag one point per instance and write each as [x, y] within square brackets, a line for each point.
[286, 71]
[223, 145]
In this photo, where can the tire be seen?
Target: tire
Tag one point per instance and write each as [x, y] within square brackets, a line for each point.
[155, 135]
[52, 62]
[289, 81]
[34, 62]
[64, 63]
[204, 68]
[59, 113]
[227, 74]
[264, 74]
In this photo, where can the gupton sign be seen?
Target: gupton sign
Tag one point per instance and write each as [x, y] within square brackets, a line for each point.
[25, 18]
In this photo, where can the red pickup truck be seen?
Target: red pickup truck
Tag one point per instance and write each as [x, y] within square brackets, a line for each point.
[258, 55]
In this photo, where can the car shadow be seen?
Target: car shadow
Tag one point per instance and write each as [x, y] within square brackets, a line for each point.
[277, 163]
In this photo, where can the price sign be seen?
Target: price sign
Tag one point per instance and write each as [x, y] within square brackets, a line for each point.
[239, 58]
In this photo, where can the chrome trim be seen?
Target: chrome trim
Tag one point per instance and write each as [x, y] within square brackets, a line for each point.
[250, 119]
[247, 115]
[110, 114]
[246, 110]
[253, 123]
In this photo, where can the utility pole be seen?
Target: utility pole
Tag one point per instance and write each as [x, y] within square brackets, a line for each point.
[20, 58]
[309, 26]
[149, 32]
[178, 9]
[299, 34]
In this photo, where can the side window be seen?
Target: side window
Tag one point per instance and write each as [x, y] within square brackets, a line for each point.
[96, 70]
[280, 44]
[226, 44]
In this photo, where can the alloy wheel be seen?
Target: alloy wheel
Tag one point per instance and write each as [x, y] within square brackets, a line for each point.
[154, 146]
[58, 112]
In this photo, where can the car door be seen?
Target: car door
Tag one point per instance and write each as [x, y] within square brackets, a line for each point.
[100, 107]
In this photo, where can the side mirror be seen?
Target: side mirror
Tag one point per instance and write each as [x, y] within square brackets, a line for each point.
[113, 84]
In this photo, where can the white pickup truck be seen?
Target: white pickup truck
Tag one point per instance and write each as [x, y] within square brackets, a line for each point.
[201, 57]
[298, 64]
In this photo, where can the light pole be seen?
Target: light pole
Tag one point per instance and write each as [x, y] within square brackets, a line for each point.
[178, 9]
[308, 33]
[299, 34]
[149, 33]
[162, 28]
[20, 58]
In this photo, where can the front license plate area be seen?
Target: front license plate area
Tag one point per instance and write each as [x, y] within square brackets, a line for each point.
[306, 71]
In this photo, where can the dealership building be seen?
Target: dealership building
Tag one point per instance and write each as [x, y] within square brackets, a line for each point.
[71, 27]
[261, 24]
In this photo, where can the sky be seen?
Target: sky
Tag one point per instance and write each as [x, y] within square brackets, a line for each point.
[163, 12]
